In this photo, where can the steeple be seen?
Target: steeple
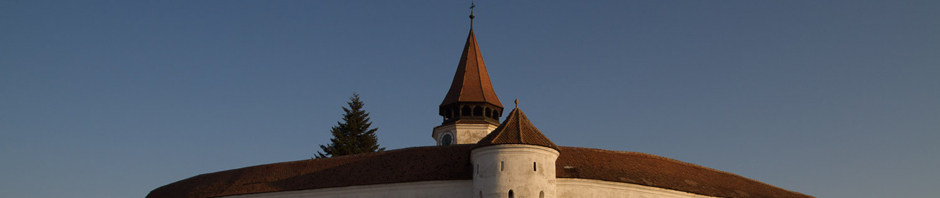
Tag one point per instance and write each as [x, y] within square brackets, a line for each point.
[470, 109]
[471, 96]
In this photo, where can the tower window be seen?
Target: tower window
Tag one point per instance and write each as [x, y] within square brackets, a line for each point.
[535, 167]
[541, 194]
[465, 111]
[487, 112]
[478, 111]
[501, 166]
[510, 193]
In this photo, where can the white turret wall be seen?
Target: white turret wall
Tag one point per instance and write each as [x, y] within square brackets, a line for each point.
[526, 170]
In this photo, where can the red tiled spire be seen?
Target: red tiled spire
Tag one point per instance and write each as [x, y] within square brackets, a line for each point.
[517, 129]
[471, 81]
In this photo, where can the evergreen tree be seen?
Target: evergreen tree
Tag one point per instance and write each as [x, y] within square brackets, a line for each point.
[352, 135]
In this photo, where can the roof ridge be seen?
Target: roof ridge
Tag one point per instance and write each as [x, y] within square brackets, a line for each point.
[518, 124]
[477, 55]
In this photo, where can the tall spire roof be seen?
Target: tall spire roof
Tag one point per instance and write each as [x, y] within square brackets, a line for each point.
[517, 129]
[471, 81]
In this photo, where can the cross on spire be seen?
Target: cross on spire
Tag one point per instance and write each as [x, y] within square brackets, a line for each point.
[472, 5]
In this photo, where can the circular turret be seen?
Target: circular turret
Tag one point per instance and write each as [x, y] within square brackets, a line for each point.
[515, 160]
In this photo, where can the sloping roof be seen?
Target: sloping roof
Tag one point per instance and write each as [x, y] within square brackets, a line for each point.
[437, 163]
[395, 166]
[471, 81]
[516, 129]
[652, 170]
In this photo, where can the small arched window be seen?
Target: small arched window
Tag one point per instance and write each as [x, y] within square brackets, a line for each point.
[535, 167]
[541, 194]
[510, 194]
[478, 111]
[465, 111]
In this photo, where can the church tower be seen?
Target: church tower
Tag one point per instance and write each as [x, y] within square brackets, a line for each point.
[470, 109]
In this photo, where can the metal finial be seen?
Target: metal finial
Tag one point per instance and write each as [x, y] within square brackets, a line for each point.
[517, 103]
[471, 14]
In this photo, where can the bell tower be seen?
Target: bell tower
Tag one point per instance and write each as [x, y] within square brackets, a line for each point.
[470, 109]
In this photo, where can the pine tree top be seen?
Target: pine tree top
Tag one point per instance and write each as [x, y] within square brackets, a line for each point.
[352, 135]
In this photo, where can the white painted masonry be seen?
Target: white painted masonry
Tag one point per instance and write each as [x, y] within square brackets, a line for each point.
[578, 188]
[527, 170]
[566, 188]
[458, 188]
[463, 133]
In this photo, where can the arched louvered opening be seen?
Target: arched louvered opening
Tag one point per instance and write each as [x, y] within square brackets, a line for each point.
[478, 111]
[487, 112]
[465, 111]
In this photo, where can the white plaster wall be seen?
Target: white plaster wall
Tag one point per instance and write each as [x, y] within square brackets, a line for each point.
[565, 188]
[518, 172]
[577, 188]
[458, 188]
[463, 133]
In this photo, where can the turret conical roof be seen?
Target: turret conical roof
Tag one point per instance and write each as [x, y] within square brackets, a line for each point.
[517, 129]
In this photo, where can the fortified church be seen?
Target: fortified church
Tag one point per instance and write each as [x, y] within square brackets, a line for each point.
[477, 156]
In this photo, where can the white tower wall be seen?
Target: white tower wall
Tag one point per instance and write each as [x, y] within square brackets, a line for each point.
[462, 133]
[527, 170]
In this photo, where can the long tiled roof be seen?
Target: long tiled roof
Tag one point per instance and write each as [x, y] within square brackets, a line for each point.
[471, 81]
[652, 170]
[396, 166]
[517, 129]
[436, 163]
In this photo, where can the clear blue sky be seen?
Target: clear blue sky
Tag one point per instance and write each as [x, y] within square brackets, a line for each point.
[114, 98]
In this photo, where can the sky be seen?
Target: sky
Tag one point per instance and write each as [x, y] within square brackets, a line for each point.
[832, 99]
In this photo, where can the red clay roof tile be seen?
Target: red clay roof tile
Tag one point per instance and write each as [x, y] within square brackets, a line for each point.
[516, 129]
[471, 81]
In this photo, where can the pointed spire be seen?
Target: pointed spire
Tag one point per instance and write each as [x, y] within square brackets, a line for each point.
[471, 81]
[517, 129]
[471, 98]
